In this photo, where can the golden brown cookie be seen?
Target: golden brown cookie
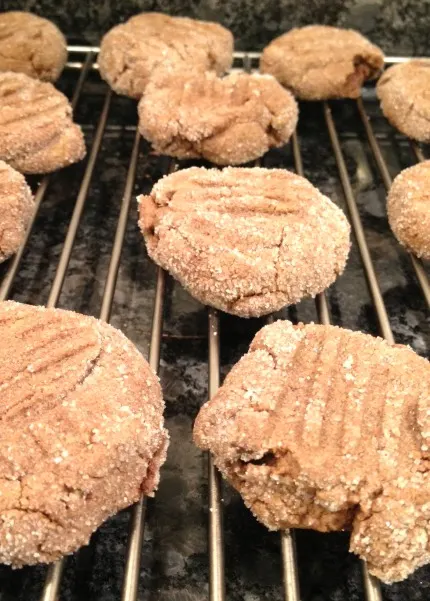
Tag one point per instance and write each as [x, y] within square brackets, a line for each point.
[16, 208]
[37, 133]
[32, 45]
[408, 207]
[81, 430]
[151, 43]
[247, 241]
[320, 427]
[404, 92]
[318, 62]
[229, 121]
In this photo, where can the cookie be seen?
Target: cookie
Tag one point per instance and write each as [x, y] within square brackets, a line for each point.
[37, 133]
[16, 209]
[405, 100]
[323, 428]
[319, 62]
[82, 431]
[228, 121]
[408, 206]
[32, 45]
[247, 241]
[151, 43]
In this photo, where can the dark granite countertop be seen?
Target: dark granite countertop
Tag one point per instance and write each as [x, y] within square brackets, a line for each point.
[175, 561]
[398, 26]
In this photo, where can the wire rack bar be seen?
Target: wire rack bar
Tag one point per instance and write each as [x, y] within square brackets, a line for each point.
[137, 522]
[86, 67]
[53, 578]
[53, 581]
[417, 152]
[372, 587]
[321, 299]
[57, 284]
[289, 566]
[387, 180]
[216, 536]
[371, 584]
[109, 290]
[79, 49]
[290, 575]
[9, 278]
[357, 226]
[138, 513]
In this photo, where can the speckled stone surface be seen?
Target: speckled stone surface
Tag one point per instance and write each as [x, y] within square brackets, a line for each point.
[175, 560]
[398, 26]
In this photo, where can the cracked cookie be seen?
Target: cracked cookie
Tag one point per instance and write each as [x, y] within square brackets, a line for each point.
[318, 62]
[151, 43]
[247, 241]
[408, 207]
[323, 428]
[82, 431]
[37, 133]
[16, 209]
[404, 92]
[32, 45]
[228, 121]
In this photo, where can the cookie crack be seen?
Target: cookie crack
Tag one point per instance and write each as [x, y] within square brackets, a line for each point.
[413, 105]
[276, 266]
[92, 364]
[22, 404]
[20, 505]
[3, 254]
[278, 259]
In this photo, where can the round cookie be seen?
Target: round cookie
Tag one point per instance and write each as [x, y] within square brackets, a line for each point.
[404, 92]
[247, 241]
[37, 134]
[32, 45]
[319, 62]
[228, 121]
[408, 207]
[16, 208]
[82, 431]
[323, 428]
[151, 43]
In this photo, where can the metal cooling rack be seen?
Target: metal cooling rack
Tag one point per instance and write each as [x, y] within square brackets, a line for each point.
[84, 60]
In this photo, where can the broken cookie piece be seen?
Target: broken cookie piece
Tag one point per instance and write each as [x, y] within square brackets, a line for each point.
[228, 121]
[246, 241]
[81, 431]
[323, 428]
[318, 62]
